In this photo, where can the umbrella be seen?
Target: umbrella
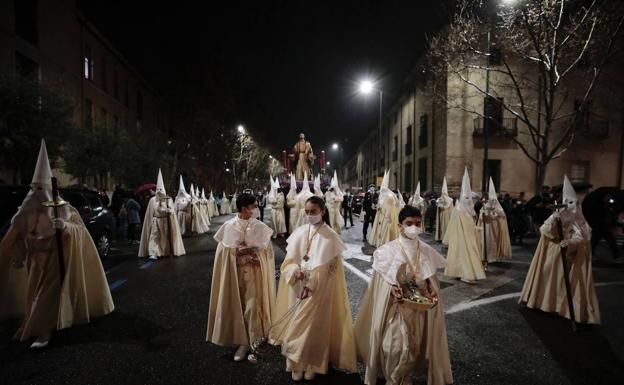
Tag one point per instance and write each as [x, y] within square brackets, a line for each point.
[144, 187]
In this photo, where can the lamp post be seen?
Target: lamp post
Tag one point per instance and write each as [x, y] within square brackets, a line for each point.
[367, 87]
[336, 147]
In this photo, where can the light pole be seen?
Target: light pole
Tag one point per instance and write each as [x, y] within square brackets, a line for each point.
[366, 87]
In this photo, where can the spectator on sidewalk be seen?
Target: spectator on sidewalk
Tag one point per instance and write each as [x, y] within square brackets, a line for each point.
[133, 210]
[347, 207]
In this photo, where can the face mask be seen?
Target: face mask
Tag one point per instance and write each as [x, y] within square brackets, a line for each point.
[412, 232]
[571, 205]
[315, 219]
[255, 213]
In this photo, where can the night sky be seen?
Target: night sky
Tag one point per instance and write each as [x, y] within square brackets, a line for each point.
[288, 66]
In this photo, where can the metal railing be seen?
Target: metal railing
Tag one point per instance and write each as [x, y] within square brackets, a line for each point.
[507, 127]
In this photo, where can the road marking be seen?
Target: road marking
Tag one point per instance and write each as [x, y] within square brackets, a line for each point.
[356, 271]
[146, 265]
[486, 301]
[117, 284]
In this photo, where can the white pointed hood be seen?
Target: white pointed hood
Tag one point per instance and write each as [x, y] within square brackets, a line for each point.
[193, 192]
[212, 198]
[416, 199]
[306, 184]
[160, 185]
[225, 198]
[317, 186]
[273, 192]
[444, 200]
[401, 199]
[182, 191]
[492, 191]
[569, 195]
[336, 185]
[43, 172]
[203, 194]
[292, 193]
[465, 199]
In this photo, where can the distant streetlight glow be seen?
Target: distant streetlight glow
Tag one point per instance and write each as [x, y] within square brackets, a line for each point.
[335, 146]
[241, 129]
[227, 170]
[366, 86]
[328, 163]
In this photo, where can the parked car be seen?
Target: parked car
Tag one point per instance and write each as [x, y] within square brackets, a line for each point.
[99, 219]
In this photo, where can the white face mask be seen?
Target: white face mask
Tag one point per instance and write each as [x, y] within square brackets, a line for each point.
[571, 205]
[255, 213]
[315, 219]
[412, 232]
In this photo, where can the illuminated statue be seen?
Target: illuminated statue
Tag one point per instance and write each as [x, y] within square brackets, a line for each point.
[304, 156]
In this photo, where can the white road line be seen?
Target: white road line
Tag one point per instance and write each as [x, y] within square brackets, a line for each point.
[614, 283]
[356, 271]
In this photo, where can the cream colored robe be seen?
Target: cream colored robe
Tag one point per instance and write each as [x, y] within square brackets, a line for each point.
[241, 298]
[497, 234]
[392, 337]
[198, 224]
[277, 215]
[183, 214]
[464, 251]
[35, 292]
[158, 232]
[291, 201]
[333, 202]
[318, 332]
[443, 217]
[225, 206]
[301, 217]
[544, 287]
[386, 225]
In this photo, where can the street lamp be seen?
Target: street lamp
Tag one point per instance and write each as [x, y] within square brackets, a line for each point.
[335, 146]
[241, 129]
[366, 87]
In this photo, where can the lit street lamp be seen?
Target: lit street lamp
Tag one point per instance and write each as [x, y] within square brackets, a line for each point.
[366, 87]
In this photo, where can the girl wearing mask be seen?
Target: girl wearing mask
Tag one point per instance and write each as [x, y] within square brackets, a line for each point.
[393, 335]
[312, 320]
[242, 295]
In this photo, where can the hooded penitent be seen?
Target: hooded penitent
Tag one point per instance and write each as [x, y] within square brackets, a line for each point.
[46, 300]
[291, 201]
[385, 227]
[161, 231]
[462, 238]
[302, 197]
[443, 213]
[333, 199]
[493, 221]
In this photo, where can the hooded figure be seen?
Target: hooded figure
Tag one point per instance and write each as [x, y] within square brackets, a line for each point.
[444, 210]
[420, 203]
[198, 224]
[544, 287]
[233, 203]
[291, 201]
[46, 300]
[333, 200]
[204, 205]
[225, 205]
[302, 197]
[317, 185]
[161, 232]
[278, 217]
[213, 210]
[242, 293]
[183, 209]
[464, 251]
[393, 337]
[493, 221]
[385, 228]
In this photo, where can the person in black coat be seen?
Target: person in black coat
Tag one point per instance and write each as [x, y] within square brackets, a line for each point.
[347, 207]
[369, 206]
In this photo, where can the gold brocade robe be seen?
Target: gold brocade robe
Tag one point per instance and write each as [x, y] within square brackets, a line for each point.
[498, 246]
[241, 298]
[315, 332]
[544, 287]
[464, 252]
[35, 292]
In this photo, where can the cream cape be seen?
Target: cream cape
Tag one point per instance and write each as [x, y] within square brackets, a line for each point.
[443, 217]
[496, 233]
[544, 287]
[464, 254]
[317, 331]
[158, 232]
[386, 224]
[241, 299]
[183, 214]
[277, 214]
[34, 292]
[333, 202]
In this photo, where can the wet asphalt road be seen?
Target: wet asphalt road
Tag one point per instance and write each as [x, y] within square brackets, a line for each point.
[156, 335]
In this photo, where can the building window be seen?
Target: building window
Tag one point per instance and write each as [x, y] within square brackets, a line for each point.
[26, 20]
[423, 136]
[103, 78]
[579, 172]
[104, 117]
[88, 64]
[422, 173]
[116, 84]
[88, 113]
[25, 67]
[408, 177]
[493, 112]
[408, 140]
[395, 151]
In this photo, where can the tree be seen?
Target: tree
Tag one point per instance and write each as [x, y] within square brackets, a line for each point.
[30, 111]
[544, 54]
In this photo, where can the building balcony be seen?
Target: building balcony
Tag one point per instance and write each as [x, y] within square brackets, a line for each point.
[507, 127]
